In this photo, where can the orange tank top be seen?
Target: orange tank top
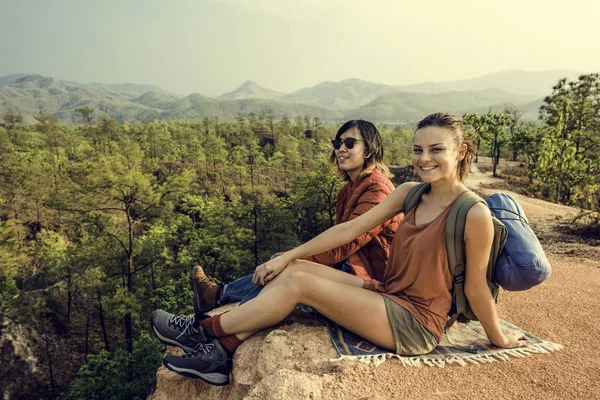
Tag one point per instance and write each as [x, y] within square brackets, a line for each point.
[417, 276]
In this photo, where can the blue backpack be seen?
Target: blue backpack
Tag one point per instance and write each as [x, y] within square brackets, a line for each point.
[517, 260]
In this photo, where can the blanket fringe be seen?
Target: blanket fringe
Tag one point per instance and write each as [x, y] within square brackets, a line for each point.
[440, 362]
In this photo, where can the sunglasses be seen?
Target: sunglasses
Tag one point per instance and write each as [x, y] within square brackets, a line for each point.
[348, 142]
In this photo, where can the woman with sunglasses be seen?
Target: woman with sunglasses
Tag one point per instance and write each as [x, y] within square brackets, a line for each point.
[408, 310]
[358, 155]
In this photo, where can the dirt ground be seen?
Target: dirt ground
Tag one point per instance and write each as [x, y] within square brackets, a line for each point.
[563, 310]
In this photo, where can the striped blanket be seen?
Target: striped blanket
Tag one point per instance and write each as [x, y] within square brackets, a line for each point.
[462, 344]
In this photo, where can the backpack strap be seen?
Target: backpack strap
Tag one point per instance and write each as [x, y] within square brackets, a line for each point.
[414, 196]
[455, 246]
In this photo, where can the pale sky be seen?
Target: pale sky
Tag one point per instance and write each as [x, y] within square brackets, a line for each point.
[213, 46]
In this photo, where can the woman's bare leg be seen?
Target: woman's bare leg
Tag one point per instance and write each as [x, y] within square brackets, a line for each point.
[359, 310]
[309, 267]
[323, 271]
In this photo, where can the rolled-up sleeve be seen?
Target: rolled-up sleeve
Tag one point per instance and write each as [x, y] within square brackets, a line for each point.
[372, 196]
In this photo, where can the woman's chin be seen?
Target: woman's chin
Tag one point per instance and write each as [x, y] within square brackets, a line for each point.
[427, 177]
[432, 178]
[349, 168]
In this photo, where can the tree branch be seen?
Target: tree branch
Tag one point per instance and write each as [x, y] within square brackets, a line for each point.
[143, 267]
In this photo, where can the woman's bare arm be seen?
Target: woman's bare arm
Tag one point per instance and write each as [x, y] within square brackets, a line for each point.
[479, 234]
[338, 235]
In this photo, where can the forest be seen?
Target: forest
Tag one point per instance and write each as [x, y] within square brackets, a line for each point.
[101, 222]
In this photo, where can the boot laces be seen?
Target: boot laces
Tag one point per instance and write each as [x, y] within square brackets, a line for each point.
[185, 324]
[201, 347]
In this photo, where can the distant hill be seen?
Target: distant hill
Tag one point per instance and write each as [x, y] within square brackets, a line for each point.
[534, 83]
[355, 93]
[530, 110]
[4, 80]
[133, 89]
[251, 90]
[31, 93]
[349, 93]
[411, 106]
[196, 106]
[156, 99]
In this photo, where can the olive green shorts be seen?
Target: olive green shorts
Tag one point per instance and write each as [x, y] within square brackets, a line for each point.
[412, 339]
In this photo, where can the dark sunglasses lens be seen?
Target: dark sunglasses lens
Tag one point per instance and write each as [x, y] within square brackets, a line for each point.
[337, 143]
[349, 142]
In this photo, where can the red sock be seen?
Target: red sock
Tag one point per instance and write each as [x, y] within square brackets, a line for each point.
[212, 326]
[230, 342]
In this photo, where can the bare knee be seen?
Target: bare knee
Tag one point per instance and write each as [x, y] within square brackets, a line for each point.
[294, 266]
[298, 282]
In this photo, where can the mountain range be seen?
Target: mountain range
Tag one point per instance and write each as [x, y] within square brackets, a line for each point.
[537, 83]
[330, 101]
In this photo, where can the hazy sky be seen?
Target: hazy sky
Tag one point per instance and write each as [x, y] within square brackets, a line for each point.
[212, 47]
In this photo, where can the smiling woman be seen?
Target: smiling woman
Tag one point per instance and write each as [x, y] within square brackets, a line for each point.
[434, 149]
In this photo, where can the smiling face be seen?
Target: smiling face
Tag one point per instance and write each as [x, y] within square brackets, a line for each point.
[351, 160]
[436, 154]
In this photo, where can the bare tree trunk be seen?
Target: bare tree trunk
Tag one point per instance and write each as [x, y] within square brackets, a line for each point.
[128, 321]
[251, 161]
[531, 170]
[223, 189]
[130, 269]
[103, 324]
[285, 177]
[255, 214]
[152, 277]
[69, 294]
[50, 372]
[87, 336]
[495, 160]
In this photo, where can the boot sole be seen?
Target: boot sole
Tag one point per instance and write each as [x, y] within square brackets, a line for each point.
[214, 378]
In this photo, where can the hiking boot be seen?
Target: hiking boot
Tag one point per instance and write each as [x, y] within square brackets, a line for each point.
[180, 331]
[205, 291]
[209, 362]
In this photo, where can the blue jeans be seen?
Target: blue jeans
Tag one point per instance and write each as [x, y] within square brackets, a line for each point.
[241, 290]
[244, 290]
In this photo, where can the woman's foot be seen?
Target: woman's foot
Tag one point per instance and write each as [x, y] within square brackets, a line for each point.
[209, 362]
[181, 331]
[205, 291]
